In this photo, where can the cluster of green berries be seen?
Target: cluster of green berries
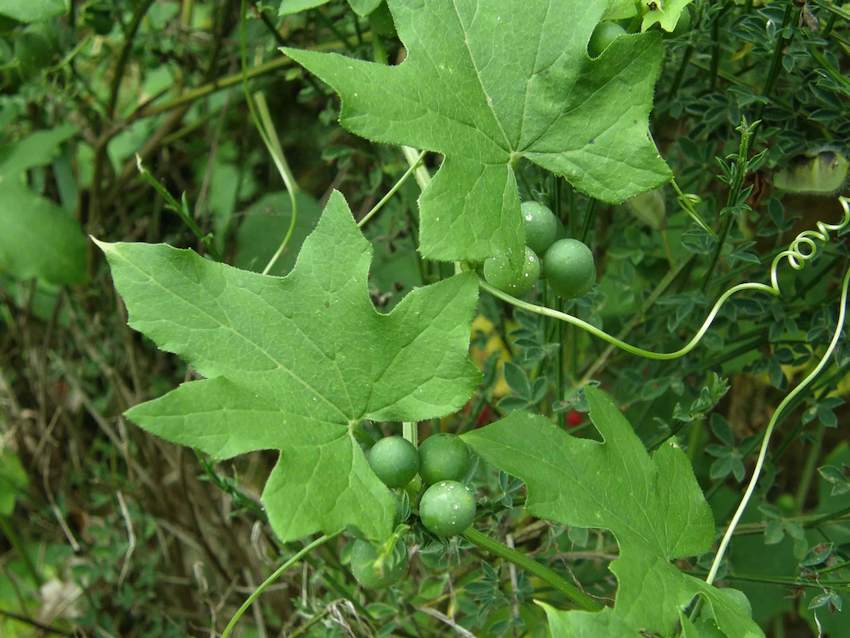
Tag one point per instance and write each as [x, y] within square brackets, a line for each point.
[567, 264]
[446, 507]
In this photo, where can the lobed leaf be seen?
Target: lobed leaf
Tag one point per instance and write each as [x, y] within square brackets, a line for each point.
[651, 503]
[486, 90]
[296, 363]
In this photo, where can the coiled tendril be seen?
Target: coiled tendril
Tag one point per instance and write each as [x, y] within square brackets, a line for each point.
[801, 250]
[805, 245]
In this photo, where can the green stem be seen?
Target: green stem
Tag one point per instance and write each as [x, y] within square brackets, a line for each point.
[401, 180]
[265, 127]
[809, 469]
[587, 327]
[737, 183]
[269, 135]
[9, 532]
[410, 432]
[715, 49]
[532, 566]
[786, 582]
[834, 568]
[181, 208]
[776, 62]
[730, 530]
[270, 580]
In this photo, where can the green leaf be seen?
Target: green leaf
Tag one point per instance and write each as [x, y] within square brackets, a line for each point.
[666, 14]
[38, 239]
[652, 505]
[13, 480]
[32, 10]
[295, 363]
[289, 7]
[362, 7]
[486, 89]
[36, 149]
[265, 225]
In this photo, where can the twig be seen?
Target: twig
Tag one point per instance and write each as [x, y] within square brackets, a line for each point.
[131, 538]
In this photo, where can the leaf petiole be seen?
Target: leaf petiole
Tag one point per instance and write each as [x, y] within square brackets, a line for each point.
[519, 559]
[270, 580]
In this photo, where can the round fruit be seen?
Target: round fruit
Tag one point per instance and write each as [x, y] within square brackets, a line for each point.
[373, 576]
[395, 461]
[574, 418]
[499, 273]
[541, 226]
[787, 503]
[603, 35]
[34, 49]
[443, 457]
[568, 266]
[447, 508]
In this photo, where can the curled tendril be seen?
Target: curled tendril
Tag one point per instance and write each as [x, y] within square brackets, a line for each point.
[801, 250]
[774, 419]
[805, 245]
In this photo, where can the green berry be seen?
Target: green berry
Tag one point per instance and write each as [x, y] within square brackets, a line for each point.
[569, 268]
[787, 503]
[541, 226]
[501, 274]
[603, 35]
[371, 575]
[447, 508]
[394, 460]
[443, 457]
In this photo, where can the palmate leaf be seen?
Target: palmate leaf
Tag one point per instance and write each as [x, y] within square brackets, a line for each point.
[652, 505]
[487, 83]
[295, 363]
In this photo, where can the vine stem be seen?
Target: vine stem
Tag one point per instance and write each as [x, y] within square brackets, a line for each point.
[569, 590]
[268, 581]
[415, 164]
[730, 530]
[265, 127]
[410, 432]
[648, 354]
[802, 249]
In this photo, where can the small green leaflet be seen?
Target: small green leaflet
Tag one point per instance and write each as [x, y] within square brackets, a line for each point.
[295, 363]
[362, 7]
[32, 10]
[13, 481]
[487, 84]
[38, 239]
[37, 149]
[665, 13]
[652, 505]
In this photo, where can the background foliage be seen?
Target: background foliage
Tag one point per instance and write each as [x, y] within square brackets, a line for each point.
[108, 531]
